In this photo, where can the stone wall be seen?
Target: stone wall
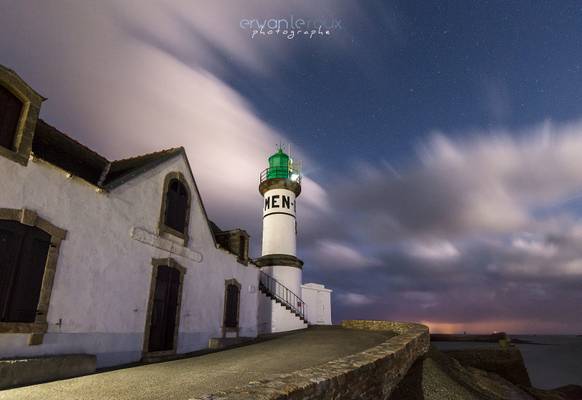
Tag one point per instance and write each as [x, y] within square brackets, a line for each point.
[507, 363]
[28, 371]
[371, 374]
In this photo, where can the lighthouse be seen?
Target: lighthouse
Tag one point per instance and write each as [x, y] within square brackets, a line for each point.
[281, 270]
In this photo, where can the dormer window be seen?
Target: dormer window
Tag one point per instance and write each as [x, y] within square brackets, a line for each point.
[10, 111]
[175, 206]
[19, 108]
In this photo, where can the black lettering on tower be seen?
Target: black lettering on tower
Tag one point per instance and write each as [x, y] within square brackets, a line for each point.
[286, 202]
[267, 205]
[274, 203]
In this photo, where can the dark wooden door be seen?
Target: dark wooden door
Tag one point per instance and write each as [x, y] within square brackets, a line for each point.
[163, 320]
[231, 311]
[23, 253]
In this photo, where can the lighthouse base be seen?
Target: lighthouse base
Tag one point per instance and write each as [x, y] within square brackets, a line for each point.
[275, 317]
[289, 277]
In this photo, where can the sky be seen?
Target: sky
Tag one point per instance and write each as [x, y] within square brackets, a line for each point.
[441, 142]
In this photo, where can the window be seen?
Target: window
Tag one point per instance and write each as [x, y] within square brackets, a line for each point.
[10, 111]
[19, 109]
[175, 206]
[23, 254]
[29, 252]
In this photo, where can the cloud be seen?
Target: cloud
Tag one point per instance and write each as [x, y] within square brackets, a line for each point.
[531, 245]
[421, 298]
[480, 233]
[434, 251]
[355, 299]
[334, 255]
[127, 79]
[485, 228]
[492, 183]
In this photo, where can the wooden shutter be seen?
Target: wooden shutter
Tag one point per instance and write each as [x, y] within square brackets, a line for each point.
[182, 207]
[157, 331]
[231, 312]
[10, 110]
[176, 206]
[173, 289]
[23, 254]
[11, 236]
[28, 281]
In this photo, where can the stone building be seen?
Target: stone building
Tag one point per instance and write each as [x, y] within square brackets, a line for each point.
[114, 258]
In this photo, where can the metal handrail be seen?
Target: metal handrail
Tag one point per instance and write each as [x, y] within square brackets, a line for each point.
[283, 294]
[281, 172]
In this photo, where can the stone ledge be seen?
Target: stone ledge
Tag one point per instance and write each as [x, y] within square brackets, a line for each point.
[272, 260]
[280, 183]
[28, 371]
[223, 343]
[371, 374]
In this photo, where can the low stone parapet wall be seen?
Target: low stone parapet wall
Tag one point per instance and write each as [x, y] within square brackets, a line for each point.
[371, 374]
[505, 362]
[27, 371]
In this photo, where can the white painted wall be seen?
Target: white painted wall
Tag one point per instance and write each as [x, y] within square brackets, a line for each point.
[103, 276]
[279, 235]
[318, 301]
[273, 317]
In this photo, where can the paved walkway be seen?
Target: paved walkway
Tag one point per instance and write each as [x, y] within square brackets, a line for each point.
[187, 378]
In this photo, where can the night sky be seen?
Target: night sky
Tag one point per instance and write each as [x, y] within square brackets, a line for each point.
[441, 142]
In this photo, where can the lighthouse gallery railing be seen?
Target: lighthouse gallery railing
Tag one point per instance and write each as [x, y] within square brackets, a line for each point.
[280, 172]
[283, 294]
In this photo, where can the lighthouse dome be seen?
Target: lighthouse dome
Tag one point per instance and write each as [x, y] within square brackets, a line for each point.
[278, 165]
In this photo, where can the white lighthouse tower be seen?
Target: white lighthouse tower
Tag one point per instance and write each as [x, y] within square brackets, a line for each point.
[281, 270]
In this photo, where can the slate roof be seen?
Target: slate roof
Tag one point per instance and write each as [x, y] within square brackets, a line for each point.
[55, 147]
[214, 228]
[121, 171]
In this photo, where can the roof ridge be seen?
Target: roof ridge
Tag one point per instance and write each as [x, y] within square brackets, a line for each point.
[168, 150]
[103, 158]
[122, 171]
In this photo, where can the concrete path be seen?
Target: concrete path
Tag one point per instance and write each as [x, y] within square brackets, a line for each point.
[187, 378]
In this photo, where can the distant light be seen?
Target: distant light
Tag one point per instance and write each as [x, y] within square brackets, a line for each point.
[294, 177]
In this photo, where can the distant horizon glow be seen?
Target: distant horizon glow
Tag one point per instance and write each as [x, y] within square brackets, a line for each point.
[488, 327]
